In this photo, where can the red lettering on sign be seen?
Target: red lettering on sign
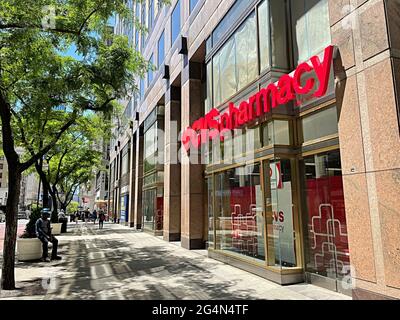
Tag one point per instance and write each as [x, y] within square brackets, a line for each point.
[272, 96]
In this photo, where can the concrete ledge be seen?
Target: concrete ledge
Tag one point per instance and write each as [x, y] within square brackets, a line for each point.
[282, 279]
[192, 244]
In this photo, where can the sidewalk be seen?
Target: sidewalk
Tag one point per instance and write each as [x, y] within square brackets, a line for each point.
[120, 263]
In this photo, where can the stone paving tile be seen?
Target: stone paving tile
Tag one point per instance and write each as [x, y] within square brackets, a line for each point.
[120, 263]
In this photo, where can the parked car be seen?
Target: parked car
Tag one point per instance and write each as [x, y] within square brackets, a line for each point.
[2, 216]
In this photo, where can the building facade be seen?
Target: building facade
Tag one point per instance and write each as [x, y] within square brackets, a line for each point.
[269, 134]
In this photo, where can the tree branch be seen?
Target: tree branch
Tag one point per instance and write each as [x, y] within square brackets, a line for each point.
[51, 144]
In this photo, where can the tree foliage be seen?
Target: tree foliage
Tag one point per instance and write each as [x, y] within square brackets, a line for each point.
[43, 91]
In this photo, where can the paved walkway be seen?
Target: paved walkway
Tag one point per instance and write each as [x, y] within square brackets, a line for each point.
[120, 263]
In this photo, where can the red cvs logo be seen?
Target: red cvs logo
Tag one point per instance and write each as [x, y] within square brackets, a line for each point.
[279, 217]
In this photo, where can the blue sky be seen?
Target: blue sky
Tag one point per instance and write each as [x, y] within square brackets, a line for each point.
[72, 50]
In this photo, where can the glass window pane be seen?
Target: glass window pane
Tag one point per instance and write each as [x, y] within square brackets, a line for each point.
[246, 52]
[263, 25]
[150, 72]
[193, 4]
[176, 22]
[319, 125]
[151, 14]
[318, 26]
[280, 214]
[209, 100]
[323, 202]
[276, 132]
[216, 80]
[210, 197]
[239, 212]
[228, 70]
[279, 34]
[311, 27]
[161, 50]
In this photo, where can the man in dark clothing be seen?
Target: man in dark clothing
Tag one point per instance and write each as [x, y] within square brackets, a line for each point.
[43, 232]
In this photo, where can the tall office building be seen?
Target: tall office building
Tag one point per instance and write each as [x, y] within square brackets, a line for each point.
[287, 163]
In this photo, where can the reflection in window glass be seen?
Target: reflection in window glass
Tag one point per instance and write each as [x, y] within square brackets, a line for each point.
[246, 52]
[276, 132]
[280, 214]
[125, 163]
[227, 75]
[141, 88]
[151, 14]
[210, 197]
[176, 22]
[161, 50]
[263, 25]
[239, 212]
[193, 4]
[150, 148]
[150, 72]
[311, 27]
[208, 102]
[323, 201]
[320, 124]
[235, 65]
[143, 21]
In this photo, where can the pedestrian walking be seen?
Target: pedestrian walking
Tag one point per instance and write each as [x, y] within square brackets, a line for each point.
[102, 217]
[94, 216]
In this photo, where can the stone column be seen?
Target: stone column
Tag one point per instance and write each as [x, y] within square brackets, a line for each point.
[367, 34]
[172, 167]
[137, 207]
[192, 184]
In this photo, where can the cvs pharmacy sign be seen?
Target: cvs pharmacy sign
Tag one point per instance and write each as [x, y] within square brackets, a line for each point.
[286, 89]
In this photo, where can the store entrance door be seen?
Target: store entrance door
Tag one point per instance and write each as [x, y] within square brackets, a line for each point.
[327, 258]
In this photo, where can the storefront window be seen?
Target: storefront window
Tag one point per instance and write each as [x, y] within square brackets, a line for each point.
[148, 208]
[321, 124]
[210, 198]
[327, 251]
[124, 214]
[280, 213]
[276, 133]
[310, 27]
[239, 212]
[150, 148]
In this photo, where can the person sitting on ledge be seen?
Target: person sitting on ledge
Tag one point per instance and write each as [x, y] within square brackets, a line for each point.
[43, 232]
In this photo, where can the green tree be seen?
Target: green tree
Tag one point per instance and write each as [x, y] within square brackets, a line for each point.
[37, 78]
[72, 207]
[73, 159]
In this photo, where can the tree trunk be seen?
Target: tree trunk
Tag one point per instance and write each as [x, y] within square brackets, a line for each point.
[46, 202]
[64, 206]
[54, 215]
[8, 275]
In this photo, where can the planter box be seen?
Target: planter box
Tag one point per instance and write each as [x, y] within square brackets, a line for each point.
[56, 228]
[29, 249]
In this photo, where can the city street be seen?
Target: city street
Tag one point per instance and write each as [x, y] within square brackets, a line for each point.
[21, 227]
[120, 263]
